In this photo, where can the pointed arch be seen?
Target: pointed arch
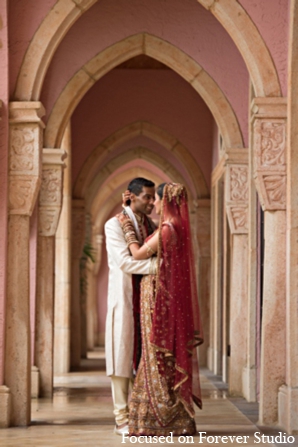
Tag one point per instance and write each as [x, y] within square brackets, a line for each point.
[160, 50]
[96, 158]
[126, 157]
[250, 44]
[65, 13]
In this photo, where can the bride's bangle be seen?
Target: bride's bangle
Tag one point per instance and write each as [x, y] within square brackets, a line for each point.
[150, 250]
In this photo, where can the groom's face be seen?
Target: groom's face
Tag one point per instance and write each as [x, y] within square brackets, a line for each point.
[144, 202]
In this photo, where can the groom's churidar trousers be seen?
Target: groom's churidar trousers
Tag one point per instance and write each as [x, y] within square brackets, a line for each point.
[120, 391]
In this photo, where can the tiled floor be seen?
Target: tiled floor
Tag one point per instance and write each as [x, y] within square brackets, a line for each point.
[81, 414]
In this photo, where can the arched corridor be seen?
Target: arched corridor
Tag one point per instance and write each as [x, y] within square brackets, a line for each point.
[95, 93]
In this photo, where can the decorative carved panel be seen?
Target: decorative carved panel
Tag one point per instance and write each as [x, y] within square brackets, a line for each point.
[48, 221]
[22, 148]
[50, 197]
[238, 218]
[238, 183]
[270, 143]
[236, 192]
[51, 186]
[269, 146]
[25, 134]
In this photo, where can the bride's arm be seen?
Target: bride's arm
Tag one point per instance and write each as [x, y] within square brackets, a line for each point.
[145, 251]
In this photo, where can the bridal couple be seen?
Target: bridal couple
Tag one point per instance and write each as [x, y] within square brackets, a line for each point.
[153, 321]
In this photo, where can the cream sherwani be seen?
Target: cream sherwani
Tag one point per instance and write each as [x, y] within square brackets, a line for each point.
[119, 323]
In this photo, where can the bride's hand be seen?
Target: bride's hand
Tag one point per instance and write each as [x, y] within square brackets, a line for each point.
[122, 218]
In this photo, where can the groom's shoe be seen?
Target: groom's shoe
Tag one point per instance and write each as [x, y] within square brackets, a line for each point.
[121, 429]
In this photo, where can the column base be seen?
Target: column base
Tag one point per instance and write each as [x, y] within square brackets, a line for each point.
[288, 409]
[249, 384]
[5, 406]
[34, 382]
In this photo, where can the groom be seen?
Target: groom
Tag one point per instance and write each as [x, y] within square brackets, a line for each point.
[122, 341]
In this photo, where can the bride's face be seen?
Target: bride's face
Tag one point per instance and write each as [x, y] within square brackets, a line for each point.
[157, 204]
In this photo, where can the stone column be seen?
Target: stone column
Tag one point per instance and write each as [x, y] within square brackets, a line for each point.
[236, 202]
[50, 199]
[203, 230]
[24, 180]
[249, 378]
[77, 242]
[269, 146]
[4, 129]
[92, 269]
[63, 269]
[214, 352]
[288, 393]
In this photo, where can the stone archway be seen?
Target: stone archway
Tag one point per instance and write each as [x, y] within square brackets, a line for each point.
[122, 160]
[249, 42]
[65, 13]
[96, 158]
[160, 50]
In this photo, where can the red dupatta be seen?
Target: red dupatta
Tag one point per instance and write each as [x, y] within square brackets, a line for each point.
[176, 326]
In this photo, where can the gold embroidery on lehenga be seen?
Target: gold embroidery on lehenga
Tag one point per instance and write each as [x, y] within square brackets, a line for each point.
[154, 406]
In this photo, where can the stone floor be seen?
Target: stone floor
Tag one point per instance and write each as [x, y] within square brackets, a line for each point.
[81, 414]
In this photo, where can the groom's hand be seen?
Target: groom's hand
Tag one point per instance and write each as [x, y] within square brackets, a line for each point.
[126, 198]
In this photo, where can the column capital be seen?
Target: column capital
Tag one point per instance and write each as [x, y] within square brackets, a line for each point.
[269, 108]
[25, 136]
[50, 198]
[26, 112]
[236, 190]
[269, 151]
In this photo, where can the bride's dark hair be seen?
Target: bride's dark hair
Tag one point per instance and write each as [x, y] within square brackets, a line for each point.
[159, 190]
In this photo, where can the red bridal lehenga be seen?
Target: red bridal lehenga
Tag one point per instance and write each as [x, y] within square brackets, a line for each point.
[167, 381]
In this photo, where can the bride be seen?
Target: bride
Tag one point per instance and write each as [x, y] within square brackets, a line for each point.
[167, 381]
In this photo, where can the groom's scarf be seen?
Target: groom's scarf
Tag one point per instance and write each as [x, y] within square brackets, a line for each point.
[136, 282]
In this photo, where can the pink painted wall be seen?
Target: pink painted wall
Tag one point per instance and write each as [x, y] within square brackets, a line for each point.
[24, 20]
[32, 265]
[160, 97]
[185, 24]
[272, 20]
[4, 72]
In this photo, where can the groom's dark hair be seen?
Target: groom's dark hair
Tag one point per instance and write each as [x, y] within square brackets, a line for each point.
[137, 184]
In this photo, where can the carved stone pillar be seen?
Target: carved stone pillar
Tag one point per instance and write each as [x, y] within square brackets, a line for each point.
[92, 269]
[288, 393]
[214, 350]
[77, 238]
[49, 210]
[63, 269]
[203, 230]
[269, 146]
[236, 202]
[24, 180]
